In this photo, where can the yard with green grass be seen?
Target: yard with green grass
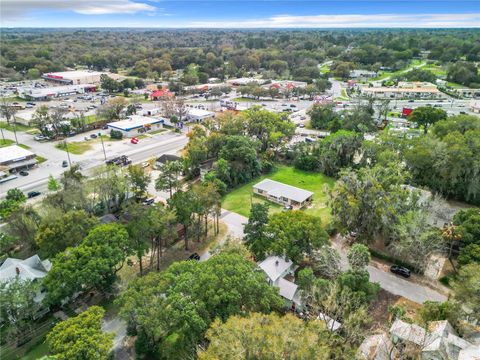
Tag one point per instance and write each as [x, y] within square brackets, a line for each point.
[240, 199]
[11, 127]
[75, 147]
[6, 142]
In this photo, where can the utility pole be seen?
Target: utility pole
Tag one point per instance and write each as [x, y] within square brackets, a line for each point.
[68, 153]
[14, 130]
[3, 135]
[103, 147]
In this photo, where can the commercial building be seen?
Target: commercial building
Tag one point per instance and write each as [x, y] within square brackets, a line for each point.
[15, 158]
[404, 90]
[136, 125]
[283, 194]
[199, 115]
[160, 94]
[245, 81]
[287, 85]
[77, 77]
[39, 94]
[362, 74]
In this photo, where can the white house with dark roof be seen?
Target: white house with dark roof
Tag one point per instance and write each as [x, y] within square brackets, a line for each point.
[283, 194]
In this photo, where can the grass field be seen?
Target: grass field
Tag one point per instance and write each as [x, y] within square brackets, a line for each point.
[6, 142]
[240, 199]
[77, 148]
[10, 127]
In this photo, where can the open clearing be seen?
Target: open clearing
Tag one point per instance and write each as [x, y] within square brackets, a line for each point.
[240, 199]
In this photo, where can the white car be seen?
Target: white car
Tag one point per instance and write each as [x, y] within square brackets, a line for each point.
[145, 164]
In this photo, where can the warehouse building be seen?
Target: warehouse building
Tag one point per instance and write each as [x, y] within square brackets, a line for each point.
[77, 77]
[136, 125]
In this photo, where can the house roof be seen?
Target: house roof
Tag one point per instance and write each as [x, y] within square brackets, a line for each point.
[278, 189]
[164, 158]
[408, 332]
[275, 266]
[376, 347]
[287, 289]
[28, 269]
[161, 93]
[199, 112]
[470, 353]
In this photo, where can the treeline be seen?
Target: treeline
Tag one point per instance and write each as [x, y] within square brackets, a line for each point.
[220, 53]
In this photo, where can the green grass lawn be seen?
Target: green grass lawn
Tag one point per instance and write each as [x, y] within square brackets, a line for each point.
[10, 127]
[6, 142]
[239, 200]
[76, 148]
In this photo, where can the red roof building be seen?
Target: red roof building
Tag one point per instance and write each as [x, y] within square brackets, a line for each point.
[161, 93]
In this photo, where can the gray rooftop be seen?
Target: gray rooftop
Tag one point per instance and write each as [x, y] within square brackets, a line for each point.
[275, 266]
[28, 269]
[278, 189]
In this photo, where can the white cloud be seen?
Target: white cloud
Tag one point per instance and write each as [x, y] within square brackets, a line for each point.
[12, 10]
[350, 21]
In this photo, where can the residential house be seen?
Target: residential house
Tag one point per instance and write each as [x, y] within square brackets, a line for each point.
[31, 269]
[278, 270]
[163, 159]
[283, 194]
[439, 341]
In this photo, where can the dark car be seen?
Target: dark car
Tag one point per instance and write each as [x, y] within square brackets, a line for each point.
[32, 194]
[23, 173]
[400, 270]
[64, 163]
[194, 256]
[93, 136]
[148, 201]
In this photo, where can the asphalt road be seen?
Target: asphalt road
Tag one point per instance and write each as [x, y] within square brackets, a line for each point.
[387, 281]
[37, 179]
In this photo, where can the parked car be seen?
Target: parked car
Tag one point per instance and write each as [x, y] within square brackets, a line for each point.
[150, 201]
[93, 136]
[287, 208]
[23, 173]
[400, 270]
[32, 194]
[134, 140]
[145, 164]
[194, 256]
[64, 163]
[301, 125]
[40, 138]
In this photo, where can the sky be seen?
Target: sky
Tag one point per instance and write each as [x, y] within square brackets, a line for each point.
[240, 14]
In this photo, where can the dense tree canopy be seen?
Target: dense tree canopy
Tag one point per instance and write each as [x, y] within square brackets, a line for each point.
[81, 337]
[172, 310]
